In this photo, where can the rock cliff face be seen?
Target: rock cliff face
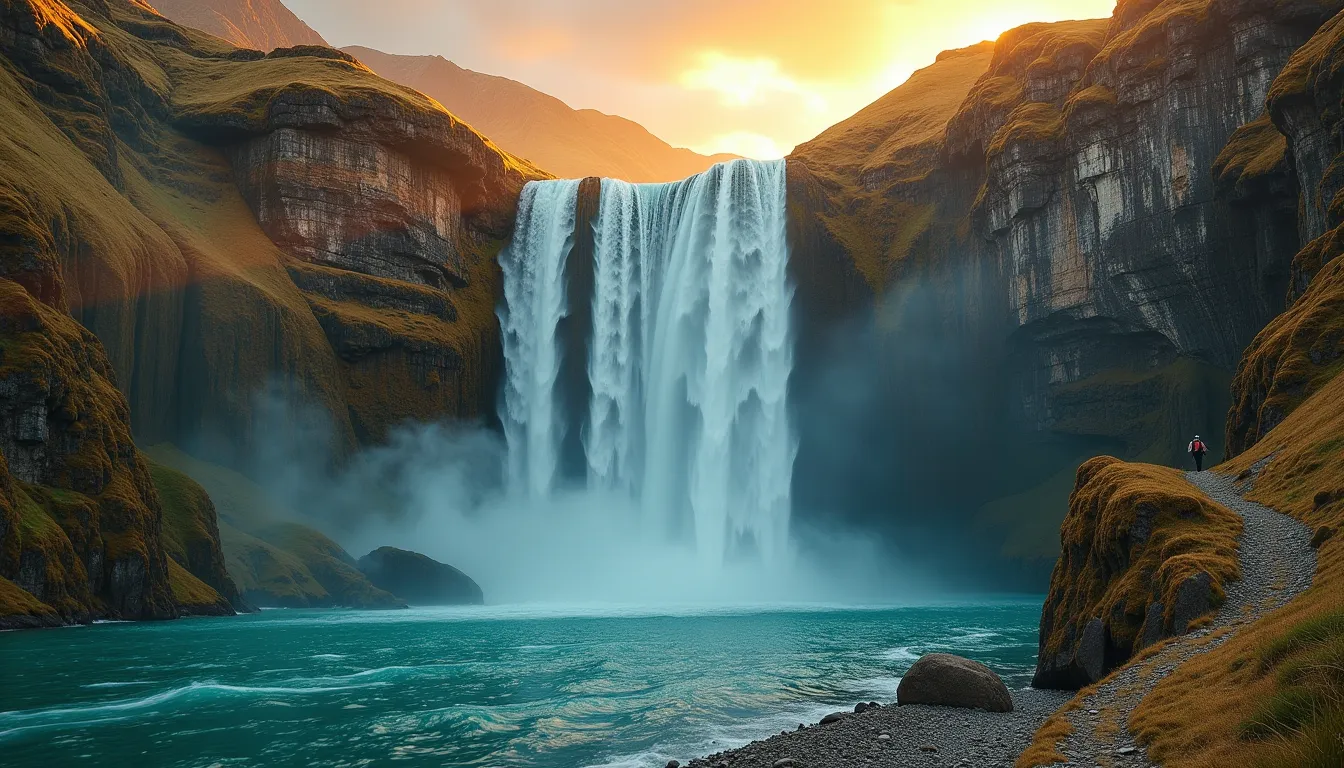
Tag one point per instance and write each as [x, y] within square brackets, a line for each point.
[1144, 556]
[1300, 352]
[151, 194]
[1104, 224]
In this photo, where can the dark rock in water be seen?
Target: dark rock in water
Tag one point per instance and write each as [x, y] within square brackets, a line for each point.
[834, 717]
[673, 764]
[418, 579]
[951, 681]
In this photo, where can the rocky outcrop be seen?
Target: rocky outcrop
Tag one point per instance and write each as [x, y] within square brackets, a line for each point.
[80, 522]
[419, 580]
[1143, 556]
[951, 681]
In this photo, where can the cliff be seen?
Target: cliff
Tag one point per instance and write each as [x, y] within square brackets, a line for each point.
[260, 24]
[1144, 557]
[1101, 227]
[570, 143]
[184, 225]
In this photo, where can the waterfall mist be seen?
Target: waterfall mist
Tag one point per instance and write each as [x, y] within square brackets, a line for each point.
[647, 448]
[688, 356]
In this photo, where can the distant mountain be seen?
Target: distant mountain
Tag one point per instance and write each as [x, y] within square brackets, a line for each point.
[530, 124]
[261, 24]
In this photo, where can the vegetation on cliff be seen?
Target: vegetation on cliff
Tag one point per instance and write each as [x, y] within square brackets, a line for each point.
[1143, 556]
[122, 210]
[275, 559]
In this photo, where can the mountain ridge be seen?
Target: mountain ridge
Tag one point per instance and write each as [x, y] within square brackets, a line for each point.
[540, 127]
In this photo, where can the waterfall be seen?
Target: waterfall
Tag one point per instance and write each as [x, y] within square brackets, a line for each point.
[534, 303]
[689, 358]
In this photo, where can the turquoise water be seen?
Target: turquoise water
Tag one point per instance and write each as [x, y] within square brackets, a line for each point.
[494, 686]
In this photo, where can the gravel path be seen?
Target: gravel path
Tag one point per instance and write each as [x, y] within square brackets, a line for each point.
[1277, 563]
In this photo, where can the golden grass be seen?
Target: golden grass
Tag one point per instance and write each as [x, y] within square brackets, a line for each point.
[1044, 748]
[17, 602]
[893, 142]
[1033, 122]
[1297, 354]
[192, 594]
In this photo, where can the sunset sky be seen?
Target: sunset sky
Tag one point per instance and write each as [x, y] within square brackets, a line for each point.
[754, 77]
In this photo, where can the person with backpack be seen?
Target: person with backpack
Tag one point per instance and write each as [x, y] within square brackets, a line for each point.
[1198, 449]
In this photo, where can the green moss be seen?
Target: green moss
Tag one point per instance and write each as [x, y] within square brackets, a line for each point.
[19, 608]
[194, 595]
[274, 560]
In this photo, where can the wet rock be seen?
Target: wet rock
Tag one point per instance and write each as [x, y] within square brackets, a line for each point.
[947, 680]
[834, 717]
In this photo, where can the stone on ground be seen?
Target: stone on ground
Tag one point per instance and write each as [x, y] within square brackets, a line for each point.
[953, 681]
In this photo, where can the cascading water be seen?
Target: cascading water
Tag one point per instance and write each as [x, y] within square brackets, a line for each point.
[689, 357]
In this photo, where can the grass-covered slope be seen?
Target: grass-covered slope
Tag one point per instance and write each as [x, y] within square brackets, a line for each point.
[191, 541]
[276, 560]
[80, 520]
[860, 166]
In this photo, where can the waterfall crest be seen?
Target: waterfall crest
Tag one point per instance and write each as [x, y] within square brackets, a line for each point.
[689, 358]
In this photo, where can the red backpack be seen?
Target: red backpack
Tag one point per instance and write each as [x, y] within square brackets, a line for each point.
[1198, 447]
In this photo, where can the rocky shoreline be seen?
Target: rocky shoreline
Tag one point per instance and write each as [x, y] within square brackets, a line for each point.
[894, 736]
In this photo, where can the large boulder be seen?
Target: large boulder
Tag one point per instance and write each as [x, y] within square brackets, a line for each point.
[418, 579]
[952, 681]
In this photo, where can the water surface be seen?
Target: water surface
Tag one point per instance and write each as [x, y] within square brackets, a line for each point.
[496, 686]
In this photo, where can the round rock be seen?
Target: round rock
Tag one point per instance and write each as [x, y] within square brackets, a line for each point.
[952, 681]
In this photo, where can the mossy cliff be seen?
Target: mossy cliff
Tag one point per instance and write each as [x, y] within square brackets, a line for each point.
[276, 560]
[1272, 695]
[183, 224]
[1104, 221]
[80, 521]
[1144, 556]
[165, 158]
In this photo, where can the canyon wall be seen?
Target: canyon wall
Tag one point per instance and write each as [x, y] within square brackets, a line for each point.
[1104, 222]
[186, 227]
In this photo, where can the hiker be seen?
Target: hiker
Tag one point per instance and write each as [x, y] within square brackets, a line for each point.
[1198, 449]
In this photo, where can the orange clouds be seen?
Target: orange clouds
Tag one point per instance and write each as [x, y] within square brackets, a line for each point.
[745, 76]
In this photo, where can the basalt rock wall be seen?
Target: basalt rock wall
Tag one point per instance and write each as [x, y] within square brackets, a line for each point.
[1102, 223]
